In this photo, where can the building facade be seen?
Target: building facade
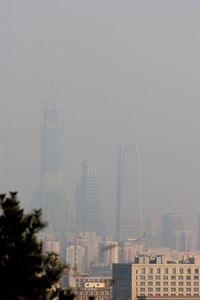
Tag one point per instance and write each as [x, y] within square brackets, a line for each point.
[109, 252]
[157, 278]
[128, 206]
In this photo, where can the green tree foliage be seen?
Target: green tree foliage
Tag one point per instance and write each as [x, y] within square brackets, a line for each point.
[25, 272]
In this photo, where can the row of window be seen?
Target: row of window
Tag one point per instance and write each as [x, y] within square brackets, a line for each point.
[166, 277]
[168, 289]
[167, 271]
[166, 294]
[167, 283]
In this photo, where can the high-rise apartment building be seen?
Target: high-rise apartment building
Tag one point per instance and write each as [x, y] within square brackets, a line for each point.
[185, 240]
[170, 224]
[52, 195]
[109, 252]
[128, 206]
[88, 200]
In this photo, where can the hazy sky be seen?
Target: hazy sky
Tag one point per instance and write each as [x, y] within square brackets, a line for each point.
[123, 72]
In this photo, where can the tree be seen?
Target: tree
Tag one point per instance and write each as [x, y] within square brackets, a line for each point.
[25, 272]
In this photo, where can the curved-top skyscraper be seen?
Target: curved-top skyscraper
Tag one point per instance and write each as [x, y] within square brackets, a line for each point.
[128, 206]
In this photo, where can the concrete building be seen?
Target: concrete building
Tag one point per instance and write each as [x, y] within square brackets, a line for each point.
[170, 224]
[52, 246]
[128, 207]
[85, 285]
[109, 252]
[185, 240]
[83, 251]
[130, 250]
[157, 278]
[99, 293]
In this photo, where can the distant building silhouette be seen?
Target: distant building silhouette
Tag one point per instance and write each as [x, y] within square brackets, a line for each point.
[185, 240]
[53, 200]
[128, 206]
[170, 224]
[88, 200]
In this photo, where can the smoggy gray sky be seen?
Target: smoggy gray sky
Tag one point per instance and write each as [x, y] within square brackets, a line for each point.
[123, 72]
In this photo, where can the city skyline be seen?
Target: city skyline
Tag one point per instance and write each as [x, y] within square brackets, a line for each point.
[128, 75]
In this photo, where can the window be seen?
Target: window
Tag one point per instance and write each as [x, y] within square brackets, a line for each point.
[188, 271]
[158, 271]
[165, 283]
[181, 283]
[196, 289]
[150, 289]
[173, 289]
[142, 277]
[157, 277]
[188, 283]
[165, 277]
[196, 277]
[196, 283]
[143, 271]
[188, 289]
[142, 289]
[150, 283]
[174, 271]
[173, 277]
[150, 271]
[157, 294]
[150, 277]
[142, 283]
[180, 289]
[188, 277]
[165, 271]
[157, 289]
[158, 283]
[165, 289]
[196, 271]
[180, 277]
[181, 271]
[173, 283]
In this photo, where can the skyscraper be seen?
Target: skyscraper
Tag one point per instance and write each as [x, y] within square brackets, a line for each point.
[88, 202]
[53, 199]
[128, 207]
